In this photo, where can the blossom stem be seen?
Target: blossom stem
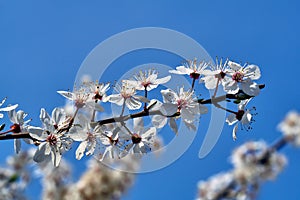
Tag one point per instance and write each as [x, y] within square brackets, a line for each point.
[216, 89]
[146, 95]
[123, 108]
[193, 84]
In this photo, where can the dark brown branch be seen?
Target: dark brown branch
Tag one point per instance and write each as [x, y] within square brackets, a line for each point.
[16, 136]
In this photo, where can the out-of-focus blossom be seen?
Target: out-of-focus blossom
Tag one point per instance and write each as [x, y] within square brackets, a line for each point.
[290, 127]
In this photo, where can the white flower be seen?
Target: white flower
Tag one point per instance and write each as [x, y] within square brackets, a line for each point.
[19, 126]
[141, 140]
[242, 116]
[111, 141]
[216, 76]
[243, 76]
[127, 95]
[291, 127]
[183, 102]
[191, 68]
[147, 80]
[83, 98]
[7, 108]
[88, 137]
[97, 90]
[52, 142]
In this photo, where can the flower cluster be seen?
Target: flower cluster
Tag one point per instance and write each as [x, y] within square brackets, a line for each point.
[123, 133]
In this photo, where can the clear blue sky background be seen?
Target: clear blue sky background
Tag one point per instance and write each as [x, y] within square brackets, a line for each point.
[43, 43]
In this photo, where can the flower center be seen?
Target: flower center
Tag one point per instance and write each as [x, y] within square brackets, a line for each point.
[136, 138]
[194, 75]
[97, 96]
[239, 114]
[52, 139]
[238, 76]
[221, 75]
[15, 128]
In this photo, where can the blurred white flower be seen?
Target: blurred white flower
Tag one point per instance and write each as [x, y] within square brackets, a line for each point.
[290, 127]
[147, 80]
[255, 162]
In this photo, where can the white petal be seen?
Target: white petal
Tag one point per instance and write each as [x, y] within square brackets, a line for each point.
[91, 148]
[47, 148]
[210, 82]
[9, 108]
[181, 70]
[37, 133]
[95, 106]
[133, 104]
[17, 145]
[69, 95]
[231, 119]
[231, 87]
[169, 95]
[187, 115]
[3, 101]
[234, 131]
[250, 87]
[58, 115]
[254, 72]
[151, 132]
[141, 98]
[39, 154]
[234, 66]
[159, 121]
[162, 80]
[173, 125]
[117, 99]
[56, 158]
[168, 109]
[203, 109]
[138, 124]
[81, 149]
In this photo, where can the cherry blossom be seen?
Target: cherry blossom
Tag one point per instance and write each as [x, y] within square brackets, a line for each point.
[19, 126]
[147, 80]
[127, 96]
[242, 116]
[290, 127]
[242, 78]
[191, 68]
[52, 142]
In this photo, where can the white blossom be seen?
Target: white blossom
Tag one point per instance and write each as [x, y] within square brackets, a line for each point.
[242, 78]
[243, 116]
[127, 95]
[53, 142]
[147, 80]
[191, 68]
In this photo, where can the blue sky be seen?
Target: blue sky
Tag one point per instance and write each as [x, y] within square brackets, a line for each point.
[43, 44]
